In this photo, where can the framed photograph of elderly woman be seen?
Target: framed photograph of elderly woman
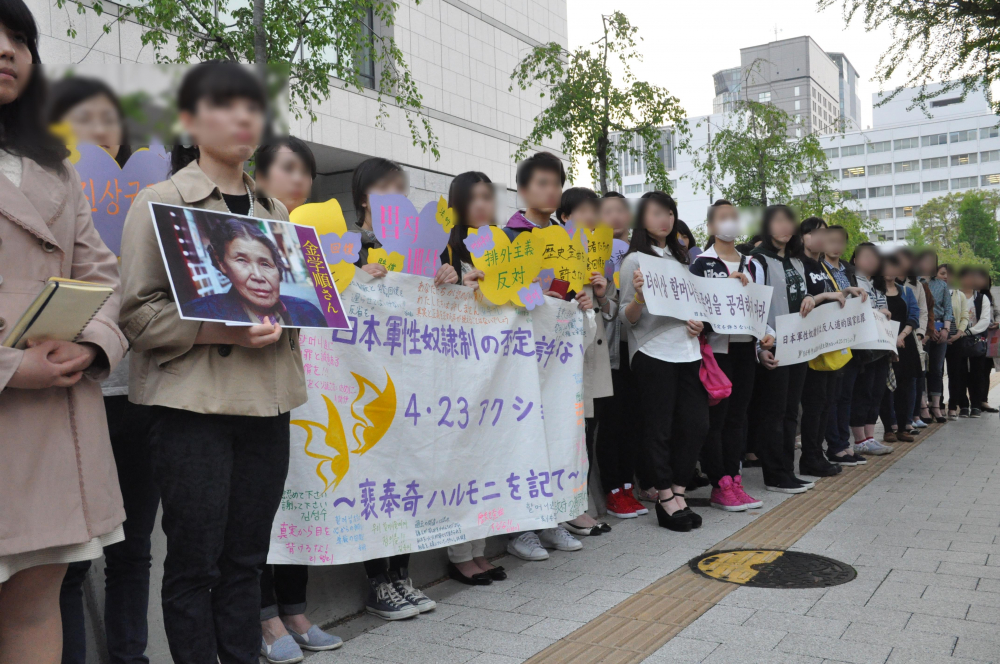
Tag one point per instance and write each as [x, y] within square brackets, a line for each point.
[244, 271]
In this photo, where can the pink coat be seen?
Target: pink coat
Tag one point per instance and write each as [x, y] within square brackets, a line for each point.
[58, 482]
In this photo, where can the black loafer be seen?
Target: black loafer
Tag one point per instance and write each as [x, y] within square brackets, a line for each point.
[497, 574]
[481, 579]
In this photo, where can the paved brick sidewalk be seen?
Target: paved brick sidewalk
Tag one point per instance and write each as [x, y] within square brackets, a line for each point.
[921, 536]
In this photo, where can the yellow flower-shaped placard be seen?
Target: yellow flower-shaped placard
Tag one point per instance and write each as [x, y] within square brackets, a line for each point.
[64, 131]
[445, 215]
[392, 262]
[563, 254]
[599, 242]
[508, 266]
[343, 274]
[325, 217]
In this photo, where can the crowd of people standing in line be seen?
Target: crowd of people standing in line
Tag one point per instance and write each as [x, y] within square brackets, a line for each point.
[195, 415]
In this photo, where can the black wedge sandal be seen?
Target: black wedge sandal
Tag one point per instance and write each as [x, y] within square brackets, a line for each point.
[679, 521]
[695, 517]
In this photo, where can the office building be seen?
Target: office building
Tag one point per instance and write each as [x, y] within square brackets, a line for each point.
[727, 89]
[850, 101]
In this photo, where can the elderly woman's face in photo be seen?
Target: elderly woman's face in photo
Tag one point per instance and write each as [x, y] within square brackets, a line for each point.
[250, 266]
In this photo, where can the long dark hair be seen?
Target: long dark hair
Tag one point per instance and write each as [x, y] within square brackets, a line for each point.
[641, 241]
[880, 281]
[911, 275]
[221, 233]
[22, 122]
[869, 246]
[65, 94]
[459, 199]
[217, 81]
[366, 174]
[794, 246]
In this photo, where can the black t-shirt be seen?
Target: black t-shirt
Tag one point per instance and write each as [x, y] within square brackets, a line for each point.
[817, 282]
[237, 203]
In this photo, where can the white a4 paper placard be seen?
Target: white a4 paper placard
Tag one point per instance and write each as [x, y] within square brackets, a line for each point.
[827, 328]
[726, 304]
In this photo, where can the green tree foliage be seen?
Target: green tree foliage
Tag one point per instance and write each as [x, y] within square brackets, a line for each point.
[962, 227]
[933, 40]
[595, 117]
[316, 40]
[752, 161]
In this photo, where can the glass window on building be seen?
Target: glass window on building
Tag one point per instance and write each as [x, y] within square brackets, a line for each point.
[797, 92]
[990, 155]
[880, 169]
[962, 136]
[900, 234]
[851, 150]
[798, 104]
[880, 213]
[964, 183]
[856, 172]
[881, 236]
[989, 132]
[990, 180]
[935, 162]
[910, 188]
[907, 211]
[853, 194]
[907, 166]
[964, 159]
[833, 153]
[935, 185]
[906, 143]
[881, 146]
[934, 139]
[879, 192]
[834, 173]
[764, 97]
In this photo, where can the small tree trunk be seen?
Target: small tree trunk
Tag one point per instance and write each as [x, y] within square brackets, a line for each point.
[259, 36]
[602, 164]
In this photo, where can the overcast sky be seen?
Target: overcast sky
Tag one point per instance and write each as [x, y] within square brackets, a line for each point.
[685, 42]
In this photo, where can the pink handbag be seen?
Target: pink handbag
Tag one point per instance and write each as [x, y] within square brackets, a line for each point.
[716, 382]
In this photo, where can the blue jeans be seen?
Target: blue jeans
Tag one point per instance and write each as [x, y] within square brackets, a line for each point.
[127, 563]
[838, 424]
[935, 368]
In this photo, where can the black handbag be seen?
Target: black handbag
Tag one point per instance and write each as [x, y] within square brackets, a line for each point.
[971, 346]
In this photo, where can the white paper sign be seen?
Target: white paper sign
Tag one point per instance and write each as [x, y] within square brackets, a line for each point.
[888, 332]
[729, 306]
[435, 420]
[827, 328]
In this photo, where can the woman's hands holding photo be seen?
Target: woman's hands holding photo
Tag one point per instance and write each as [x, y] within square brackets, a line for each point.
[472, 279]
[445, 275]
[377, 270]
[257, 336]
[695, 327]
[742, 277]
[52, 364]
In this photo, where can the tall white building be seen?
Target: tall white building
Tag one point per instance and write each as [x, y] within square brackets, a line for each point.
[906, 158]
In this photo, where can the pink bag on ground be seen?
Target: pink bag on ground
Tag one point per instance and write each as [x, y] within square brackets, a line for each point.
[716, 382]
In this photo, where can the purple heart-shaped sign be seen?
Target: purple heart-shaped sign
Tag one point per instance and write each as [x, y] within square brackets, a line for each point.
[532, 296]
[417, 236]
[545, 278]
[618, 250]
[480, 242]
[110, 190]
[341, 248]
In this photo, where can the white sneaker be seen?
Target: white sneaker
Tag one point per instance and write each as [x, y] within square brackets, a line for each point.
[872, 446]
[919, 424]
[559, 538]
[526, 546]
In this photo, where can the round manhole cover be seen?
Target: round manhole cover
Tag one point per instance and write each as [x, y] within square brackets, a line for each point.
[769, 568]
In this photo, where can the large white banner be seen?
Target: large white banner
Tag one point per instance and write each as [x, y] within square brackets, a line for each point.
[436, 419]
[828, 327]
[888, 331]
[729, 306]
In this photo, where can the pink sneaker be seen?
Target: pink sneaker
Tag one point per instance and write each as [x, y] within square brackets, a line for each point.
[640, 509]
[747, 499]
[724, 498]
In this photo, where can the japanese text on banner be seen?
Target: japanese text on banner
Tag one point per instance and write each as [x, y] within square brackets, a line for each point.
[729, 306]
[828, 327]
[888, 331]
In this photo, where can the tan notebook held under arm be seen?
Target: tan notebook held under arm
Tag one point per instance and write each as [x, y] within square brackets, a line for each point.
[60, 312]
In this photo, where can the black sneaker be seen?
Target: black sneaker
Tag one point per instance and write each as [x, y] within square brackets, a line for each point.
[845, 460]
[404, 586]
[975, 412]
[820, 468]
[806, 483]
[787, 485]
[964, 412]
[383, 601]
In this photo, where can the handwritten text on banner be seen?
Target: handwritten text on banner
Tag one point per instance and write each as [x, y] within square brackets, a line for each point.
[436, 419]
[826, 328]
[729, 306]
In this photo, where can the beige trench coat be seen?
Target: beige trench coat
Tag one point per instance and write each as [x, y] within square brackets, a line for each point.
[166, 368]
[58, 483]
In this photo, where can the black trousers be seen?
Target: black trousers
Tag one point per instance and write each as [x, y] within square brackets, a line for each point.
[774, 423]
[127, 563]
[221, 478]
[283, 590]
[619, 435]
[818, 393]
[723, 449]
[958, 381]
[979, 380]
[378, 566]
[676, 417]
[868, 390]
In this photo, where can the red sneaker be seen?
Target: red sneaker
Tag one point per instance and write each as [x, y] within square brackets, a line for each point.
[619, 506]
[640, 509]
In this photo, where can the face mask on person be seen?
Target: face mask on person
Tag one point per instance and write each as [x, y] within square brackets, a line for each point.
[727, 230]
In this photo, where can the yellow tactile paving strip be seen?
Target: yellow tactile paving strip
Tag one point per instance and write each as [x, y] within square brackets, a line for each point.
[639, 626]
